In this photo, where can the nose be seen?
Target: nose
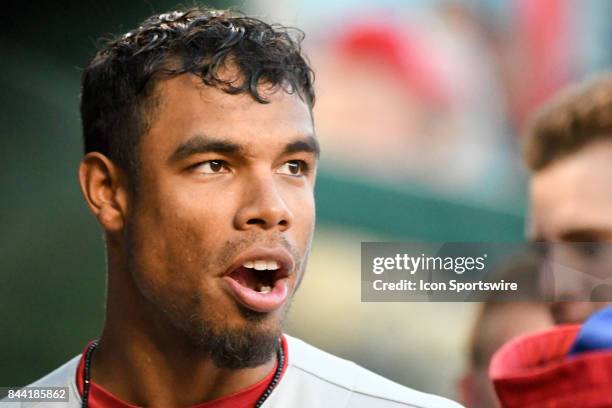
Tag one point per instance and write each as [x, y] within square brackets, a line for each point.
[263, 206]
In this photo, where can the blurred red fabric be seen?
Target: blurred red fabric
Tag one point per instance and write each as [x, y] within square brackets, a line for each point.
[401, 51]
[534, 371]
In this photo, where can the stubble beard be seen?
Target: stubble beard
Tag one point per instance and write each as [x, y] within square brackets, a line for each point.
[252, 344]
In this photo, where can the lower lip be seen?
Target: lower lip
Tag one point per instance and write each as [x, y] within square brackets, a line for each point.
[257, 301]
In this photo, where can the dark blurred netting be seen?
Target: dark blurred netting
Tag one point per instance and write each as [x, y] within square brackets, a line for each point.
[69, 29]
[51, 250]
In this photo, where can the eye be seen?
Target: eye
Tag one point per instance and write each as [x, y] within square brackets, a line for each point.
[212, 167]
[293, 168]
[589, 249]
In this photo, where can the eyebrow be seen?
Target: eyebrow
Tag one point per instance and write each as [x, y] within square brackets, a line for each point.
[308, 144]
[585, 235]
[578, 235]
[199, 144]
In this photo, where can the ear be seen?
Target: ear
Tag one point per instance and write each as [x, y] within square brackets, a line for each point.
[104, 186]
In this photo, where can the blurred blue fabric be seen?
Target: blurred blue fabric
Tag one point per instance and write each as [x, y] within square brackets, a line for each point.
[595, 334]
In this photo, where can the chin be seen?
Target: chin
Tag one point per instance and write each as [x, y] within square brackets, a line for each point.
[245, 343]
[572, 312]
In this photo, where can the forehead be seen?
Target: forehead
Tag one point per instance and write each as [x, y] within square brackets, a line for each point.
[574, 193]
[187, 107]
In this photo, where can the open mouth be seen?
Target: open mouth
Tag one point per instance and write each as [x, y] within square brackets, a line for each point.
[259, 279]
[259, 275]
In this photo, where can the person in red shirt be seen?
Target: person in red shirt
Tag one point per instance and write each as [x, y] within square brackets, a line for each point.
[200, 161]
[200, 164]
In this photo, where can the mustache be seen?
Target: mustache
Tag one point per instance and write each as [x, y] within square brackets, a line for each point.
[232, 248]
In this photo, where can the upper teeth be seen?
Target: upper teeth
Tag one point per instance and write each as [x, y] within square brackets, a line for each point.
[261, 265]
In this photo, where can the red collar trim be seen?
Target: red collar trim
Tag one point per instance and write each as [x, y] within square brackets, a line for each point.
[101, 398]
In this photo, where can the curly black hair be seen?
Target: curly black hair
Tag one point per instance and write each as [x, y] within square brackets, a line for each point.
[117, 97]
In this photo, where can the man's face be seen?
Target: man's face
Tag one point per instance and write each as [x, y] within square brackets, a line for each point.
[221, 227]
[497, 326]
[571, 201]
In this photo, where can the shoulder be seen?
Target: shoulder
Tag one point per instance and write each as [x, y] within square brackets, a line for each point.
[63, 376]
[352, 385]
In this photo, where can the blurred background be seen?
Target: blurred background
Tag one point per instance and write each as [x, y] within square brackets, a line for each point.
[419, 108]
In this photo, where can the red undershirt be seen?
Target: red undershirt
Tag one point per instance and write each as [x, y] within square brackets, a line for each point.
[248, 397]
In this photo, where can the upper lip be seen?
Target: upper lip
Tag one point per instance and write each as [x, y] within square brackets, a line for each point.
[278, 254]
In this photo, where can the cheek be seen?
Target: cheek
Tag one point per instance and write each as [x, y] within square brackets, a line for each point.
[176, 238]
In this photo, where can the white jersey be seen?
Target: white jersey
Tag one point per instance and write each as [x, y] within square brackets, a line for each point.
[313, 379]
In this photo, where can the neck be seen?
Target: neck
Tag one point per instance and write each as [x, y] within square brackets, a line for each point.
[144, 360]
